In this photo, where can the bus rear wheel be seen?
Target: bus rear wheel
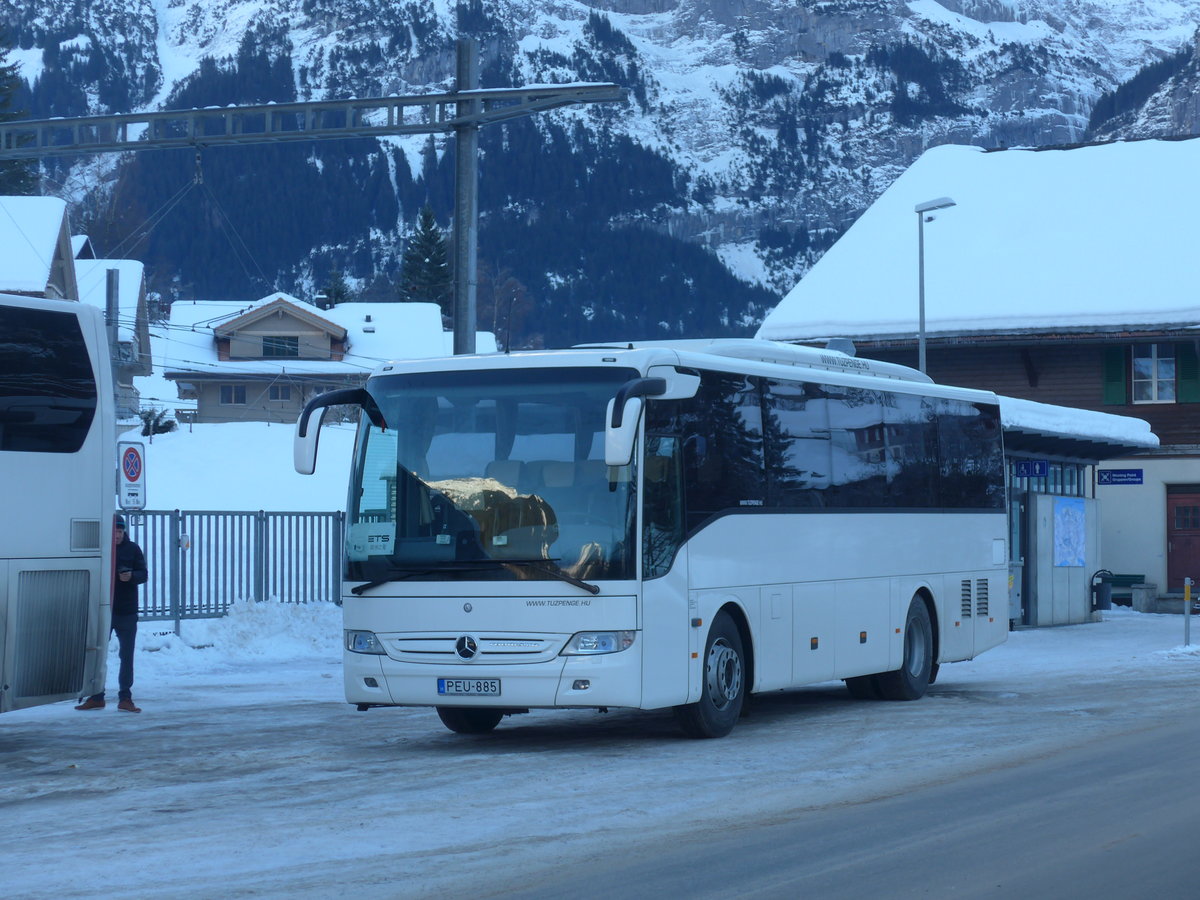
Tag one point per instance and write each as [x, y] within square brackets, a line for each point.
[469, 720]
[912, 679]
[724, 689]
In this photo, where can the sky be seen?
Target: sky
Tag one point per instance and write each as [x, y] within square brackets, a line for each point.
[247, 774]
[1104, 236]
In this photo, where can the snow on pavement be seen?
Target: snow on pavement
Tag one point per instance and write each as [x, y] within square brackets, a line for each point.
[248, 775]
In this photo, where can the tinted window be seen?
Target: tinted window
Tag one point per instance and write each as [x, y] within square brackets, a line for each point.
[857, 438]
[971, 454]
[721, 431]
[912, 450]
[47, 389]
[796, 444]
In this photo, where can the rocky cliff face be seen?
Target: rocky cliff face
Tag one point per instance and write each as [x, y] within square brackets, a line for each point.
[755, 130]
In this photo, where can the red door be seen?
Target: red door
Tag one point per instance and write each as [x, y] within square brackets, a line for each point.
[1183, 540]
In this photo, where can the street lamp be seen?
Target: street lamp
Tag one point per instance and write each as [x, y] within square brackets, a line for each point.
[921, 209]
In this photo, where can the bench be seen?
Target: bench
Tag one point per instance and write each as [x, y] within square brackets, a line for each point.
[1122, 586]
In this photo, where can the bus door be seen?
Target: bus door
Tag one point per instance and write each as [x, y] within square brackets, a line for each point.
[667, 634]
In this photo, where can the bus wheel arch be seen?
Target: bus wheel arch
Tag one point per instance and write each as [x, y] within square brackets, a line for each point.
[725, 678]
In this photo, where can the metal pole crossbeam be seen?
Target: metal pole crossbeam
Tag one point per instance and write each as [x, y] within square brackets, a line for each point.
[461, 112]
[303, 121]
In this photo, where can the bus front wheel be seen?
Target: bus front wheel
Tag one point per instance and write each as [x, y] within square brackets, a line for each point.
[469, 720]
[912, 679]
[724, 688]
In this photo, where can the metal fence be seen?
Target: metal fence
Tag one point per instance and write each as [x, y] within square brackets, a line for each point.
[200, 562]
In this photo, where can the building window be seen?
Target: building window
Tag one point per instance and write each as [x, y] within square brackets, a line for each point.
[279, 392]
[233, 395]
[275, 345]
[1153, 373]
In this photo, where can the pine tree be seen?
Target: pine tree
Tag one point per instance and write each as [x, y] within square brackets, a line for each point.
[336, 290]
[16, 176]
[425, 269]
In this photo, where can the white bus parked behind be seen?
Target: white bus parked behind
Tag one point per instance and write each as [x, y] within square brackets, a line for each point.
[56, 476]
[656, 525]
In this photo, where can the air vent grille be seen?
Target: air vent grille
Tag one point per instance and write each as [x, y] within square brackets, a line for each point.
[85, 534]
[981, 597]
[966, 598]
[51, 630]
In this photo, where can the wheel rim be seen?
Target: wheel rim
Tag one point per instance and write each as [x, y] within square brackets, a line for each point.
[915, 649]
[724, 674]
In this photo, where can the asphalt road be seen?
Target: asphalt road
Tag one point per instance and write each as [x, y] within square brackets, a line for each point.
[1118, 818]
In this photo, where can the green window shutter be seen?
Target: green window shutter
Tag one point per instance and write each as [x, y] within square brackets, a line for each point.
[1116, 392]
[1187, 374]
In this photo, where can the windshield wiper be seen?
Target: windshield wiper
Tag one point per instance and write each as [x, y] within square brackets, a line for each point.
[395, 573]
[549, 566]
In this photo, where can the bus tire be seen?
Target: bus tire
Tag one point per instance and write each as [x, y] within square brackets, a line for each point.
[724, 687]
[470, 719]
[911, 680]
[863, 687]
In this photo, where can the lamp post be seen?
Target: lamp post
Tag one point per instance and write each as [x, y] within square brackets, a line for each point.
[921, 209]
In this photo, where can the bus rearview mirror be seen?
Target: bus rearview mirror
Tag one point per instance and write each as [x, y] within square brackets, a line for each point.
[618, 439]
[304, 444]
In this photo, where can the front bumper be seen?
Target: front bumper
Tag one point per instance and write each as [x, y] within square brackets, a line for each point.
[612, 679]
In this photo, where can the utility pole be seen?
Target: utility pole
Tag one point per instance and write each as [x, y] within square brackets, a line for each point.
[445, 113]
[466, 197]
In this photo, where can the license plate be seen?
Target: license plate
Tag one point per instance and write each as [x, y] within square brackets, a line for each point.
[469, 687]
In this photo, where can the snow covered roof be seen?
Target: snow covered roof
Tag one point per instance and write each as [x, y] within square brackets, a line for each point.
[1077, 434]
[92, 277]
[375, 333]
[29, 232]
[1091, 238]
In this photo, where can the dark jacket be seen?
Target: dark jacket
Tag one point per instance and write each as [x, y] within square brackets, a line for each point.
[125, 593]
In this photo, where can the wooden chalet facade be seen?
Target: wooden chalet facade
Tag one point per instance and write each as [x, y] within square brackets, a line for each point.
[1086, 371]
[268, 364]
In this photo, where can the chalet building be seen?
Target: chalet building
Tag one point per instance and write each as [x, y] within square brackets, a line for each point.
[40, 258]
[1063, 276]
[35, 248]
[263, 361]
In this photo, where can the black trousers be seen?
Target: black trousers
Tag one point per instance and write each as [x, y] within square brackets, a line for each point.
[126, 630]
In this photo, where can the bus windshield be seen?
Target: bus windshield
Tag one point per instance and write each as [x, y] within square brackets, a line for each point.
[490, 475]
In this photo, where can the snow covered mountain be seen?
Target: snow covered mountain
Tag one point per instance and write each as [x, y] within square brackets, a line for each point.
[754, 133]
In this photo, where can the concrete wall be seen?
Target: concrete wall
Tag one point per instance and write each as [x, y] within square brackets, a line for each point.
[1134, 525]
[1062, 593]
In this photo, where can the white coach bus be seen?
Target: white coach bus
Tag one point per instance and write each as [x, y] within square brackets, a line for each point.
[57, 437]
[660, 525]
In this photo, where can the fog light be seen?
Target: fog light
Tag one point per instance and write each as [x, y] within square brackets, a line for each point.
[581, 684]
[371, 682]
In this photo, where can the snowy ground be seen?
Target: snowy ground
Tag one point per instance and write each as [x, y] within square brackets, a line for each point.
[247, 774]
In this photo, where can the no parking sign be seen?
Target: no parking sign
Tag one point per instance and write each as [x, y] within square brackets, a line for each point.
[131, 475]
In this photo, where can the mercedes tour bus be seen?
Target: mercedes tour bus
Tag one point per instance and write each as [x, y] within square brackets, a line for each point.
[57, 464]
[663, 525]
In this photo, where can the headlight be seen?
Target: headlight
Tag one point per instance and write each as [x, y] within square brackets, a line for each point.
[591, 643]
[364, 642]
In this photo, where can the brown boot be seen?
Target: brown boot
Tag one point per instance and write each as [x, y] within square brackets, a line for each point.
[127, 706]
[91, 703]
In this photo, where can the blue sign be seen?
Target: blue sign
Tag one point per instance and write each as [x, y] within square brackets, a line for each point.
[1031, 468]
[1119, 476]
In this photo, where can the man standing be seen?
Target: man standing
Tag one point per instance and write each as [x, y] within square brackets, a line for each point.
[131, 571]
